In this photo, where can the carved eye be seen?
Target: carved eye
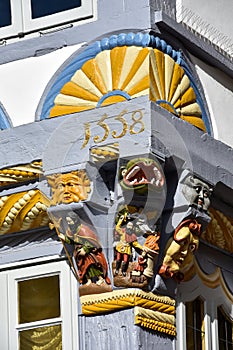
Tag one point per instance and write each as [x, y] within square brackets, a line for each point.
[192, 247]
[123, 172]
[183, 242]
[198, 189]
[60, 186]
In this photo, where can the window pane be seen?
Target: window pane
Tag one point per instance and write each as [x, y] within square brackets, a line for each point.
[5, 13]
[225, 332]
[41, 338]
[195, 336]
[39, 299]
[41, 8]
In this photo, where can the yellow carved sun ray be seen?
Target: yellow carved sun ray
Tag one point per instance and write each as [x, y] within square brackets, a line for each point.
[103, 61]
[196, 121]
[117, 60]
[140, 88]
[82, 80]
[182, 87]
[137, 68]
[58, 110]
[187, 98]
[93, 73]
[73, 101]
[169, 67]
[135, 71]
[156, 74]
[72, 89]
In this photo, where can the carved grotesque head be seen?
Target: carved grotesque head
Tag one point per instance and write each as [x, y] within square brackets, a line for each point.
[69, 187]
[197, 193]
[178, 258]
[140, 173]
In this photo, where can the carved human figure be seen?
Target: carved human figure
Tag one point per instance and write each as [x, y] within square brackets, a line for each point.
[69, 187]
[142, 192]
[197, 193]
[178, 257]
[90, 260]
[126, 241]
[150, 248]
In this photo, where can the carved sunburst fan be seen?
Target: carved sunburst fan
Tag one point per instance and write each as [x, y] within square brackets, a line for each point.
[115, 72]
[124, 73]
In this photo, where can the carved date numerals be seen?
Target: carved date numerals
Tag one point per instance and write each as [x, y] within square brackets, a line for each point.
[135, 126]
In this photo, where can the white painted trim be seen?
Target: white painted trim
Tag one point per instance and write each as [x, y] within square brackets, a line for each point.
[74, 296]
[207, 328]
[4, 312]
[181, 326]
[43, 323]
[29, 262]
[214, 327]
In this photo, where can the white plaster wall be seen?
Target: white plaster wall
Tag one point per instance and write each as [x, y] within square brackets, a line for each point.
[23, 82]
[212, 19]
[218, 89]
[214, 12]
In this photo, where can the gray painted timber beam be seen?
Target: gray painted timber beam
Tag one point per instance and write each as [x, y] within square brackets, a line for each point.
[166, 135]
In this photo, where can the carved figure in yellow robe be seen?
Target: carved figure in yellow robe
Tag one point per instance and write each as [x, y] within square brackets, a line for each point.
[127, 240]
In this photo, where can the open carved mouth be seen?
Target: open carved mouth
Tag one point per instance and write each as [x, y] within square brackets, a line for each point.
[179, 261]
[143, 174]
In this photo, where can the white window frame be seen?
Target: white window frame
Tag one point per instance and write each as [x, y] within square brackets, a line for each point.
[68, 303]
[16, 18]
[213, 298]
[85, 10]
[22, 21]
[181, 326]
